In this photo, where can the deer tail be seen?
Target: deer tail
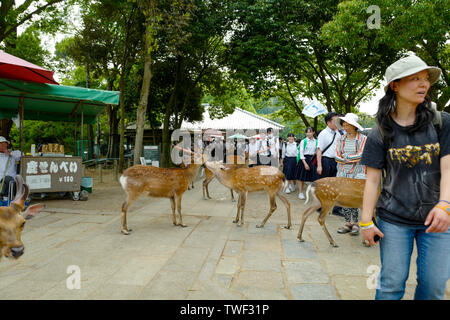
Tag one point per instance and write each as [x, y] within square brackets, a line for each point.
[310, 190]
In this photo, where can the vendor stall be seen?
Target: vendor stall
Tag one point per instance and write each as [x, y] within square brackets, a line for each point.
[53, 171]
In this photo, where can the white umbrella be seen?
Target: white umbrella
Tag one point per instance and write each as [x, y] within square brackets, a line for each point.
[314, 109]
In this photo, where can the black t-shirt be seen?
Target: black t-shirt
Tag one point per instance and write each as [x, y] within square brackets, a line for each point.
[412, 163]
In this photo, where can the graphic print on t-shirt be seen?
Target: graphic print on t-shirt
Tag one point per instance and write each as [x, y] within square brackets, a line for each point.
[413, 155]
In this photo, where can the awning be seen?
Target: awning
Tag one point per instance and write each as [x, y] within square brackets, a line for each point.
[50, 102]
[12, 67]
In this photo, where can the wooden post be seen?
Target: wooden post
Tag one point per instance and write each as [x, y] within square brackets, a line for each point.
[82, 131]
[116, 170]
[21, 115]
[100, 176]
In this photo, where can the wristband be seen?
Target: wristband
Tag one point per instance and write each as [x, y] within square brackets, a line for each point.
[446, 208]
[367, 227]
[444, 201]
[365, 224]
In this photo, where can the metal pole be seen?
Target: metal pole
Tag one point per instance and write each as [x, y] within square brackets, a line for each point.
[82, 133]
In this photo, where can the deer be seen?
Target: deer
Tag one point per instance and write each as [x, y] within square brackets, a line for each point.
[233, 161]
[12, 221]
[169, 183]
[258, 178]
[328, 192]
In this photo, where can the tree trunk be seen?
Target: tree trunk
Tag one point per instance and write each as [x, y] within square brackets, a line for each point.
[143, 100]
[166, 142]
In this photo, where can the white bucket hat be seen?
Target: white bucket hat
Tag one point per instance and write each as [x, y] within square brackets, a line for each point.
[350, 118]
[2, 139]
[407, 66]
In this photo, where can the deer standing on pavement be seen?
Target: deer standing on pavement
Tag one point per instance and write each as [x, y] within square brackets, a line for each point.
[244, 180]
[12, 221]
[328, 192]
[158, 182]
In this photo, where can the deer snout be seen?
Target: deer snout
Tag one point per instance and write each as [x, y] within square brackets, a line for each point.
[17, 251]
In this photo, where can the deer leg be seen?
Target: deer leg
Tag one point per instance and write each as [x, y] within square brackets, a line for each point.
[305, 216]
[273, 207]
[238, 208]
[205, 188]
[172, 203]
[243, 200]
[232, 195]
[131, 197]
[288, 209]
[180, 219]
[321, 219]
[125, 205]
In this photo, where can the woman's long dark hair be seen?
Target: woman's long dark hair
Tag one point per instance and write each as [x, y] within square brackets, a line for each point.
[387, 105]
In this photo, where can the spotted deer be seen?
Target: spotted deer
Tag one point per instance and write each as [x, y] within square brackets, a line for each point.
[233, 162]
[244, 180]
[12, 221]
[158, 182]
[328, 192]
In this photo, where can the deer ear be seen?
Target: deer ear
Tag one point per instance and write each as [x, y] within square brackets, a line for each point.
[33, 210]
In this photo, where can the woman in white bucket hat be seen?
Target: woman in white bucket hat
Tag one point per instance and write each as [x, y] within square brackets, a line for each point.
[349, 149]
[414, 203]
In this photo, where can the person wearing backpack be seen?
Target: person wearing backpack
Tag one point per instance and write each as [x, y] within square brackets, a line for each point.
[411, 144]
[306, 169]
[289, 162]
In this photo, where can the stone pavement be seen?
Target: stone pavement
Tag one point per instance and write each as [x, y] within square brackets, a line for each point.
[211, 258]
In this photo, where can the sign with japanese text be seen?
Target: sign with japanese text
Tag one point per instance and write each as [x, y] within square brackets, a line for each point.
[52, 174]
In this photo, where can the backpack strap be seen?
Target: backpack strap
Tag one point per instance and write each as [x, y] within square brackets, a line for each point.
[437, 121]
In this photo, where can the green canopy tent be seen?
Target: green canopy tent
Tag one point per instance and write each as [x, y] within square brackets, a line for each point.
[49, 102]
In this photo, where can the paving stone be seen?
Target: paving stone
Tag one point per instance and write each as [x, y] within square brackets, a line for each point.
[294, 249]
[133, 273]
[313, 292]
[227, 265]
[186, 259]
[261, 263]
[353, 287]
[305, 271]
[169, 285]
[116, 292]
[30, 290]
[233, 248]
[258, 279]
[264, 294]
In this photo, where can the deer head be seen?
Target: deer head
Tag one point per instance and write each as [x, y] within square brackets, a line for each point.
[12, 221]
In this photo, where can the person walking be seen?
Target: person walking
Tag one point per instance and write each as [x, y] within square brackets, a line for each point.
[326, 147]
[326, 151]
[8, 168]
[306, 170]
[412, 145]
[289, 162]
[252, 148]
[349, 150]
[263, 153]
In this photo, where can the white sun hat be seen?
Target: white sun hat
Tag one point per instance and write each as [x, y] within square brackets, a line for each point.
[350, 118]
[2, 139]
[408, 66]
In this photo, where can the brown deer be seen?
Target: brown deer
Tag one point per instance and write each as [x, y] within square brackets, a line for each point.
[244, 180]
[233, 162]
[328, 192]
[12, 221]
[158, 182]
